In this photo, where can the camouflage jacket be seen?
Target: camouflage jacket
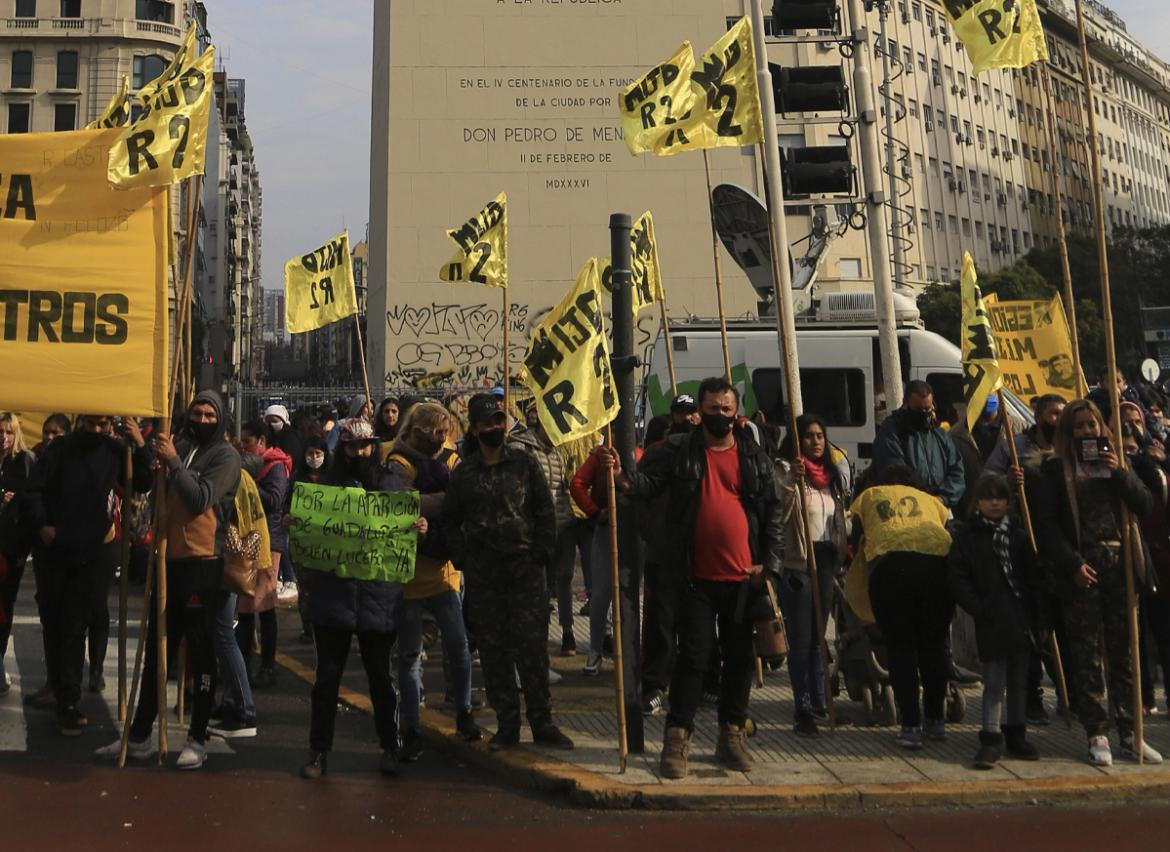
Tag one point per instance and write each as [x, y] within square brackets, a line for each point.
[499, 511]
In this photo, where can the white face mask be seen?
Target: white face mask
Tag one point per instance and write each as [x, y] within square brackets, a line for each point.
[315, 462]
[277, 426]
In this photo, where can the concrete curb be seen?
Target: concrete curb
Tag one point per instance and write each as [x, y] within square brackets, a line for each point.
[532, 770]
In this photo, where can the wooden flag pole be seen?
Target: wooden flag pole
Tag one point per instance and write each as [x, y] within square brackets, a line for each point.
[184, 295]
[507, 368]
[1026, 515]
[615, 578]
[666, 337]
[357, 329]
[142, 625]
[718, 272]
[124, 579]
[1070, 305]
[1114, 394]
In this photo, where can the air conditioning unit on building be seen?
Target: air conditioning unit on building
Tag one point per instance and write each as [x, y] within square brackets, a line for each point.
[967, 140]
[1007, 156]
[952, 184]
[1001, 200]
[932, 31]
[954, 88]
[936, 79]
[1011, 113]
[928, 126]
[962, 93]
[1024, 205]
[962, 187]
[995, 152]
[987, 196]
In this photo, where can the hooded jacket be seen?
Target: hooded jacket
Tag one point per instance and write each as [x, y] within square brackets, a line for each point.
[347, 603]
[273, 483]
[201, 489]
[72, 490]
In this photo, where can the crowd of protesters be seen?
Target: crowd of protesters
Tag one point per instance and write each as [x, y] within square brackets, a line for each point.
[715, 512]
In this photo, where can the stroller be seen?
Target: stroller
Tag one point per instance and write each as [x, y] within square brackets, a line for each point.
[860, 660]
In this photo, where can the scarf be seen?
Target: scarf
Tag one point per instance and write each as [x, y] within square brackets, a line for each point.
[1001, 537]
[817, 473]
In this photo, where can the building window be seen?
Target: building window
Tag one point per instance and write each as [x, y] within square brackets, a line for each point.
[64, 117]
[70, 8]
[26, 9]
[22, 68]
[916, 9]
[67, 69]
[147, 68]
[154, 10]
[18, 117]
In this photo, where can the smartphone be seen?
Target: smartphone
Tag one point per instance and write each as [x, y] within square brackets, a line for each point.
[1091, 450]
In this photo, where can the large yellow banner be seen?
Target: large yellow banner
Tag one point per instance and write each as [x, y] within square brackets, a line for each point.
[981, 375]
[167, 142]
[1034, 346]
[726, 111]
[83, 295]
[998, 34]
[483, 247]
[647, 275]
[319, 287]
[567, 364]
[117, 112]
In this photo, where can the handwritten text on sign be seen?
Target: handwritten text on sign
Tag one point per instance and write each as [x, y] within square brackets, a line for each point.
[367, 535]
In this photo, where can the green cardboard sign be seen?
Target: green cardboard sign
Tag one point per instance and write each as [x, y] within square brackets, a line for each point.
[367, 535]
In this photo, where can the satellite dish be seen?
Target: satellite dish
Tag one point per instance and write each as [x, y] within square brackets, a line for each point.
[741, 220]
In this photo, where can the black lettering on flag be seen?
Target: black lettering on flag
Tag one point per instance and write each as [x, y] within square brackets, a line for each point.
[138, 148]
[559, 402]
[44, 309]
[12, 300]
[69, 332]
[20, 197]
[111, 310]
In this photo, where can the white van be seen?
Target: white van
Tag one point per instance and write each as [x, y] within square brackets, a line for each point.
[840, 373]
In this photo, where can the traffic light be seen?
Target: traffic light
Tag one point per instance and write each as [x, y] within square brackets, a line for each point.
[820, 170]
[805, 15]
[812, 88]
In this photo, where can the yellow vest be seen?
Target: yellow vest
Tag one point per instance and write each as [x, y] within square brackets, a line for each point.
[900, 518]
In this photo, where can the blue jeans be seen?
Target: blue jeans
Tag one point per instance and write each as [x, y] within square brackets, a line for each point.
[448, 613]
[805, 668]
[237, 693]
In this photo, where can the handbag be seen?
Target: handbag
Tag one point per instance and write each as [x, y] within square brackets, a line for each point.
[768, 636]
[241, 562]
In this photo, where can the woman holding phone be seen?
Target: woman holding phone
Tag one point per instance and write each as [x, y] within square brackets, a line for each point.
[1078, 507]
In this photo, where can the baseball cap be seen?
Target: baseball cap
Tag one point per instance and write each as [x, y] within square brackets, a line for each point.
[483, 408]
[356, 429]
[683, 400]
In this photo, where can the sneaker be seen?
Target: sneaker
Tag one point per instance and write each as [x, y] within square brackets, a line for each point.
[554, 677]
[990, 749]
[709, 699]
[233, 728]
[412, 748]
[192, 756]
[821, 714]
[653, 702]
[71, 721]
[584, 610]
[287, 593]
[1099, 751]
[568, 644]
[315, 766]
[592, 665]
[1129, 750]
[219, 713]
[503, 739]
[806, 726]
[388, 765]
[466, 728]
[135, 750]
[909, 738]
[97, 682]
[935, 731]
[550, 736]
[265, 677]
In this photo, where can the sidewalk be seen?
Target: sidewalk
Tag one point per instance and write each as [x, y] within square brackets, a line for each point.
[853, 767]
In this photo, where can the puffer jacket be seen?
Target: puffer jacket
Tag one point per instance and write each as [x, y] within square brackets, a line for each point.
[678, 468]
[552, 465]
[273, 481]
[346, 603]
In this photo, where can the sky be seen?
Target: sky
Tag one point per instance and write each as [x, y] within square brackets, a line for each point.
[307, 104]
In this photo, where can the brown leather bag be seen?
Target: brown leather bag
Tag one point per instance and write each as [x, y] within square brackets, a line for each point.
[241, 562]
[768, 635]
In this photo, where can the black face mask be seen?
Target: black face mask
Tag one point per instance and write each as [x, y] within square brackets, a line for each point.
[1048, 430]
[919, 420]
[428, 446]
[492, 438]
[203, 432]
[718, 425]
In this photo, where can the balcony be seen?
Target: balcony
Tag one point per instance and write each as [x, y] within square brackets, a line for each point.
[157, 27]
[166, 35]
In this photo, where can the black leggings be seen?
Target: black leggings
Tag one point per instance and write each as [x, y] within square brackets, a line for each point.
[246, 630]
[913, 606]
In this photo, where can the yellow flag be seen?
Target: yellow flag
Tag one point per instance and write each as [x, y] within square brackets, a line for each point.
[567, 364]
[83, 280]
[647, 276]
[656, 101]
[981, 374]
[1034, 346]
[117, 112]
[250, 516]
[483, 247]
[318, 286]
[726, 112]
[166, 143]
[998, 34]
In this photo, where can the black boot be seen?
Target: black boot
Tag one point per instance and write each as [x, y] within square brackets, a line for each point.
[990, 750]
[1015, 736]
[315, 766]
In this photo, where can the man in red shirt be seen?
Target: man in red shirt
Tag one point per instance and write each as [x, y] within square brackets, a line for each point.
[724, 523]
